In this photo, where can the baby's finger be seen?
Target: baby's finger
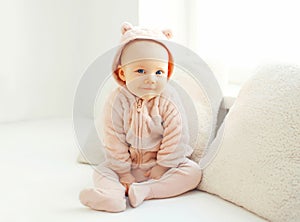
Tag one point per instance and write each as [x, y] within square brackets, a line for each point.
[147, 174]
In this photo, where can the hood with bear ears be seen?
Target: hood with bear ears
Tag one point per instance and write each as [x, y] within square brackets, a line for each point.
[131, 33]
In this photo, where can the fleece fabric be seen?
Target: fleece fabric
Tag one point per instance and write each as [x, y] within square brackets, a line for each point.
[257, 158]
[143, 133]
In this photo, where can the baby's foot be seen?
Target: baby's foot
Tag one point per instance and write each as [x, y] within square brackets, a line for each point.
[104, 201]
[137, 194]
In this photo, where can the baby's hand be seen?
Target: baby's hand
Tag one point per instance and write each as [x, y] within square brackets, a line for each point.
[156, 172]
[126, 180]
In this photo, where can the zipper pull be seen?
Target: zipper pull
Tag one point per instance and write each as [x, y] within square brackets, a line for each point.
[139, 105]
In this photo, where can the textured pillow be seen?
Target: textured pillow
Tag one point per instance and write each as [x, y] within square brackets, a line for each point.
[197, 107]
[257, 163]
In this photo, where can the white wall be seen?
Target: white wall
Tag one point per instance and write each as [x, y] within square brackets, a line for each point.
[240, 35]
[171, 14]
[45, 48]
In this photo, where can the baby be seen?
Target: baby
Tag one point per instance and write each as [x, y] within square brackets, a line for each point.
[145, 130]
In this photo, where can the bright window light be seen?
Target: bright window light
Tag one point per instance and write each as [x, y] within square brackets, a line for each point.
[233, 36]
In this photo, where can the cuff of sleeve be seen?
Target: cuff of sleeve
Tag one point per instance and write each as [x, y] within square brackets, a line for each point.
[170, 163]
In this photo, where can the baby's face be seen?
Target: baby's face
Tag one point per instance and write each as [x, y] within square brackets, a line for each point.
[146, 78]
[145, 68]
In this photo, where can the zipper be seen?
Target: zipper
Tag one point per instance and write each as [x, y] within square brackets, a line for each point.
[139, 137]
[139, 105]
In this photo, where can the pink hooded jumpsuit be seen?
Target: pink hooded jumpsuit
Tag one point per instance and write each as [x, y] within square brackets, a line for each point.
[139, 135]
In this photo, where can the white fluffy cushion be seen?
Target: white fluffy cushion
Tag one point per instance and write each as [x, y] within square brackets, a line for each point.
[257, 164]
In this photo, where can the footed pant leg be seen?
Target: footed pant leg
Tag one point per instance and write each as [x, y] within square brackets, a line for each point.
[108, 193]
[174, 182]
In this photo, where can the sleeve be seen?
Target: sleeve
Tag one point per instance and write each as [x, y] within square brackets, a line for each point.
[174, 146]
[116, 148]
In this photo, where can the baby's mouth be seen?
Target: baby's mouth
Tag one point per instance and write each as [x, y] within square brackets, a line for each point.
[148, 88]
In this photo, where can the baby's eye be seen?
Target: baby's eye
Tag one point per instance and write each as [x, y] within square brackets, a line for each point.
[159, 72]
[141, 71]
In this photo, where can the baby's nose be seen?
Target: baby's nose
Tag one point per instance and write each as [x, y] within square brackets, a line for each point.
[150, 79]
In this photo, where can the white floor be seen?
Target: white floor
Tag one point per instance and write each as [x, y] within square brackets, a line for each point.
[40, 181]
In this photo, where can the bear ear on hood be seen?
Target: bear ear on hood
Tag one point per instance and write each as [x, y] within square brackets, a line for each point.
[125, 27]
[168, 33]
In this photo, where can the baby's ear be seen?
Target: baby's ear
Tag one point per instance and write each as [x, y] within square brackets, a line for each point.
[125, 27]
[121, 73]
[168, 33]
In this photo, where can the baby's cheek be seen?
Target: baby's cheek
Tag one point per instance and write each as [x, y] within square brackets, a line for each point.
[162, 84]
